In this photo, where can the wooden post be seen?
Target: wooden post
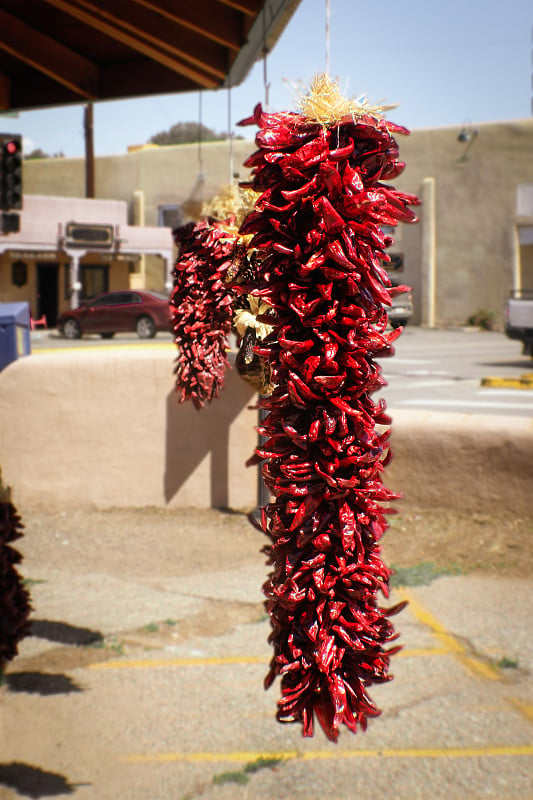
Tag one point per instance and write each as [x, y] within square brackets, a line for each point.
[89, 150]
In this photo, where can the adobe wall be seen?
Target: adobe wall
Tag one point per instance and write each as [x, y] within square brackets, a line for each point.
[475, 195]
[102, 428]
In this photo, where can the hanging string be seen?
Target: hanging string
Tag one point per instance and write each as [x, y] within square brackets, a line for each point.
[200, 159]
[265, 53]
[328, 14]
[230, 134]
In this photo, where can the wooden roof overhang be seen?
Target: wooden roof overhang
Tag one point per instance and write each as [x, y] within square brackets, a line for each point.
[58, 52]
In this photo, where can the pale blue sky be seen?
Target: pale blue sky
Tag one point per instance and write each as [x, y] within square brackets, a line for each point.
[452, 63]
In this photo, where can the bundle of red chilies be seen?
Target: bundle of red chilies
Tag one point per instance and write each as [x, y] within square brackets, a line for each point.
[316, 259]
[15, 605]
[318, 222]
[201, 307]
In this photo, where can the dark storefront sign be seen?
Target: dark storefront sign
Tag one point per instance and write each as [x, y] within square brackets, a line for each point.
[84, 235]
[19, 273]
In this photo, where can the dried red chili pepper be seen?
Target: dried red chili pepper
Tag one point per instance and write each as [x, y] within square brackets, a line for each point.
[318, 225]
[15, 605]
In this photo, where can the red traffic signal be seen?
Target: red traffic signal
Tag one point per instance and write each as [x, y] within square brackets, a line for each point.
[10, 171]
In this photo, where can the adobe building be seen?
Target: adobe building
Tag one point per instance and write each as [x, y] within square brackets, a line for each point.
[472, 245]
[70, 249]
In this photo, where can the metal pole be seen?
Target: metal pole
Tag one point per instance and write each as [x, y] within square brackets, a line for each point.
[263, 493]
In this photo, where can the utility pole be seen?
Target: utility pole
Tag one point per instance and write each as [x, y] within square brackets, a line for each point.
[89, 150]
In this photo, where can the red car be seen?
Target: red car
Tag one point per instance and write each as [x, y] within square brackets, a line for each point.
[118, 312]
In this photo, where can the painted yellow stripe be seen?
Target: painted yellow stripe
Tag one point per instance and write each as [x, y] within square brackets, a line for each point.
[523, 382]
[490, 751]
[417, 652]
[99, 348]
[525, 709]
[475, 665]
[147, 663]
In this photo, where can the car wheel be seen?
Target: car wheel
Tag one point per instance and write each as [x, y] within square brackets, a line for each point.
[71, 329]
[397, 323]
[145, 328]
[107, 335]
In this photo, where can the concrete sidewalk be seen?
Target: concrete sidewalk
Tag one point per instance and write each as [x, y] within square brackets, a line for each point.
[147, 684]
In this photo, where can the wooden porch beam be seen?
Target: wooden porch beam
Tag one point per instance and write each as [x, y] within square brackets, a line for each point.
[249, 7]
[135, 39]
[44, 54]
[209, 19]
[5, 92]
[192, 47]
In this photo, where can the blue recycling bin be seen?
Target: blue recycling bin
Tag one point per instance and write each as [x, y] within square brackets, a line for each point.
[14, 332]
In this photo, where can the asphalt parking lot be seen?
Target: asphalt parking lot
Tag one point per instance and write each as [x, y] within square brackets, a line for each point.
[146, 683]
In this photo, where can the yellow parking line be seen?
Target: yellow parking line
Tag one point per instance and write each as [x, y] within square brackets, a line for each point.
[523, 382]
[490, 751]
[525, 709]
[98, 348]
[148, 663]
[473, 664]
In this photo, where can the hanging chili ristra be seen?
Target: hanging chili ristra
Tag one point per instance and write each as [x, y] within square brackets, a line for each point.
[201, 310]
[211, 257]
[318, 225]
[14, 598]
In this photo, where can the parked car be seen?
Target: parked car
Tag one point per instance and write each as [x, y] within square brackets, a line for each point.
[116, 312]
[519, 319]
[401, 309]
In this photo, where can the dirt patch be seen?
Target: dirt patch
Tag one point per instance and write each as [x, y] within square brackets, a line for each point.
[139, 541]
[468, 542]
[147, 541]
[217, 617]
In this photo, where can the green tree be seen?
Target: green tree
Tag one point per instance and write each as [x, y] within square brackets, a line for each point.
[188, 132]
[185, 132]
[38, 153]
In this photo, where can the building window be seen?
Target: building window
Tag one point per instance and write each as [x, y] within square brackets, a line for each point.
[19, 273]
[94, 280]
[170, 216]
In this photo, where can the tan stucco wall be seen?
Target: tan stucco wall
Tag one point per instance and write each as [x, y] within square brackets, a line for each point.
[102, 428]
[475, 211]
[166, 175]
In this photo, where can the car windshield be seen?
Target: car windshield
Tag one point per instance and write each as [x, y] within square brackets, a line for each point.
[159, 295]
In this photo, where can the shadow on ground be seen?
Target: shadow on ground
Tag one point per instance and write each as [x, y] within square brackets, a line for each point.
[64, 633]
[34, 782]
[43, 683]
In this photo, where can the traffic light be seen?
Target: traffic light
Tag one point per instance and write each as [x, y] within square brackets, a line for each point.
[9, 222]
[10, 171]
